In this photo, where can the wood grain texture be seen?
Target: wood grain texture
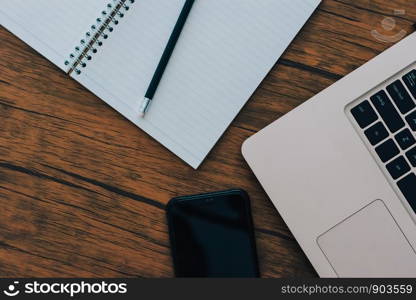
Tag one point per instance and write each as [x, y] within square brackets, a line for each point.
[83, 191]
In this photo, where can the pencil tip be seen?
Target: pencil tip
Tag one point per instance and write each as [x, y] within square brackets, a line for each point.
[144, 106]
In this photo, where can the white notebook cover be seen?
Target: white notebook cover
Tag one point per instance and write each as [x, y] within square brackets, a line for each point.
[224, 52]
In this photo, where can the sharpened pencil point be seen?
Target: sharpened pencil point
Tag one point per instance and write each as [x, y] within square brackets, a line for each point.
[144, 106]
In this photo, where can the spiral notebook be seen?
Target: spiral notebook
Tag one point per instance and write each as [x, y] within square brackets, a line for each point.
[112, 47]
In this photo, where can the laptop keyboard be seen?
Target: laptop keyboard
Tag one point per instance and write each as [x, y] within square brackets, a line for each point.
[388, 122]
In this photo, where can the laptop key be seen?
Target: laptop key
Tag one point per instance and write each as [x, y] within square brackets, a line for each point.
[401, 97]
[411, 156]
[387, 111]
[407, 186]
[411, 119]
[376, 133]
[398, 167]
[387, 150]
[410, 81]
[405, 139]
[364, 114]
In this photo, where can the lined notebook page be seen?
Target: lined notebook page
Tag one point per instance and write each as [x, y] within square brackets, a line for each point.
[52, 27]
[225, 51]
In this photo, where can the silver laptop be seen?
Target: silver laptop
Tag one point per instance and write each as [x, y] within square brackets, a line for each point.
[341, 169]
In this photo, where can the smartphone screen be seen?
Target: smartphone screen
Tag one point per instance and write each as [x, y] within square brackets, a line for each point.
[212, 235]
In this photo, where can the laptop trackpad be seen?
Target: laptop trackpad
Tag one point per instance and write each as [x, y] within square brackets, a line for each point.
[369, 244]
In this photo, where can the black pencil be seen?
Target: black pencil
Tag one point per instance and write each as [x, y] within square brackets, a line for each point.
[167, 53]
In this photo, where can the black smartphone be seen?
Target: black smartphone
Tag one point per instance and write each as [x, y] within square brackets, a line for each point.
[212, 235]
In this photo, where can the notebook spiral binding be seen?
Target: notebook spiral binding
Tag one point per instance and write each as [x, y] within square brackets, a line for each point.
[94, 38]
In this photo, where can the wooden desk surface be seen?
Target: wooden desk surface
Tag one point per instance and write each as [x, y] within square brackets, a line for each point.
[83, 191]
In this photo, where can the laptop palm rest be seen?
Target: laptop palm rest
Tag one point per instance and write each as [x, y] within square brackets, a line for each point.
[369, 244]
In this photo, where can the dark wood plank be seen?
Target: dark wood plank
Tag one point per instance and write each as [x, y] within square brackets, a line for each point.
[83, 191]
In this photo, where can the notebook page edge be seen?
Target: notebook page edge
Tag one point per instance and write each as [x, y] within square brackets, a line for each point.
[314, 6]
[132, 115]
